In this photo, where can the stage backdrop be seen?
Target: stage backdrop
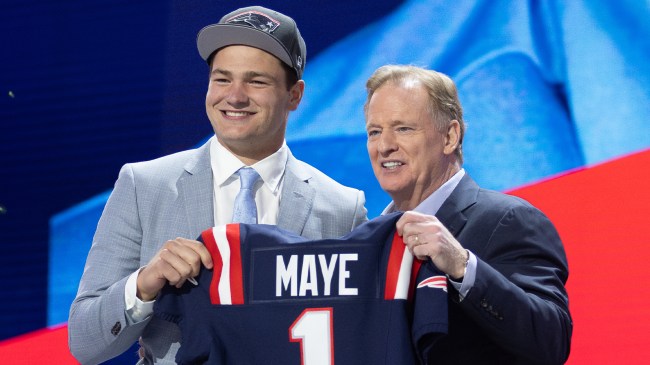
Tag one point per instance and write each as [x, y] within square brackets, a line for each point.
[547, 86]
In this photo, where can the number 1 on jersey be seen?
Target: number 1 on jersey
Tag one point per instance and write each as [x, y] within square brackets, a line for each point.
[313, 329]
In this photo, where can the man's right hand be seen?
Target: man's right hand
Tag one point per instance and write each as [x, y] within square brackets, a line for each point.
[178, 260]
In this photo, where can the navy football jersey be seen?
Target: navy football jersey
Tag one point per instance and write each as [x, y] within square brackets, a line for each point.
[277, 298]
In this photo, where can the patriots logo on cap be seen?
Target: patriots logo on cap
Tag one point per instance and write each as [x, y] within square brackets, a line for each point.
[439, 282]
[254, 19]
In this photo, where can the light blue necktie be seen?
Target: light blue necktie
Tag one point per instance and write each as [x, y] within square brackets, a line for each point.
[245, 210]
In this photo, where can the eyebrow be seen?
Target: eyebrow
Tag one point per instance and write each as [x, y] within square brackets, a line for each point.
[391, 123]
[247, 74]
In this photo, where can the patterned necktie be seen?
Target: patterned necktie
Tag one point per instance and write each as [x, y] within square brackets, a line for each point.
[245, 210]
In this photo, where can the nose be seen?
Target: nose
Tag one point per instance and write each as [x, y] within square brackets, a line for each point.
[237, 95]
[387, 143]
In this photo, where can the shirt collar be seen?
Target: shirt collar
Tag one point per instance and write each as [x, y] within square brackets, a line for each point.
[433, 202]
[225, 164]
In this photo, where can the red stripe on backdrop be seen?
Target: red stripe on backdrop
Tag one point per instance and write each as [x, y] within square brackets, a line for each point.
[602, 216]
[46, 346]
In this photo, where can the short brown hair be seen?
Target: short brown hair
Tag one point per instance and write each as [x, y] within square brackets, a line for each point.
[445, 105]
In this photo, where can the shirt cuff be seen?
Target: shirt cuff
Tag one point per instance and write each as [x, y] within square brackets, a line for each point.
[136, 309]
[467, 282]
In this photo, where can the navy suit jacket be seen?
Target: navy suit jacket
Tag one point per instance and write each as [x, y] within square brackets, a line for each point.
[517, 312]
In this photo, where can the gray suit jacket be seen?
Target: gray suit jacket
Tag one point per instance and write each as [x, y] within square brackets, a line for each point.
[171, 197]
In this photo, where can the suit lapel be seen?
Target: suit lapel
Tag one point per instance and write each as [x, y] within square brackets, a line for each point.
[451, 212]
[196, 192]
[297, 198]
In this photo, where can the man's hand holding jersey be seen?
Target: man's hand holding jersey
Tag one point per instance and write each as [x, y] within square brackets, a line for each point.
[177, 261]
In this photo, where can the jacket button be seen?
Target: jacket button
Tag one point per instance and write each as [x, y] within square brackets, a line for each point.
[117, 327]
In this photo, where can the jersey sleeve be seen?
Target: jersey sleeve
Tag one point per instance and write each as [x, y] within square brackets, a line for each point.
[430, 307]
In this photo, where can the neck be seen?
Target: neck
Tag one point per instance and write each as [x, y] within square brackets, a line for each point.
[411, 199]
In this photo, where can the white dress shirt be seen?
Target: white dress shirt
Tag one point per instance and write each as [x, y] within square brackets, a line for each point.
[226, 186]
[226, 183]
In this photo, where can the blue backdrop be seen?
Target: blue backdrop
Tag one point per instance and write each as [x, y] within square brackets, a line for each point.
[547, 86]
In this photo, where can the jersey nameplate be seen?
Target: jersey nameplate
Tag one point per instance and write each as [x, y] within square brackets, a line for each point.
[304, 272]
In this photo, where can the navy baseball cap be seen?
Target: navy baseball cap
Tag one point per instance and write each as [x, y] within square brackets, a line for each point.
[257, 27]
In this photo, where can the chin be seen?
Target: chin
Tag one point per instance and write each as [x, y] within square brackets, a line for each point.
[391, 189]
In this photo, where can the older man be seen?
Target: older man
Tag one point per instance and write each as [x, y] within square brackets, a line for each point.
[503, 258]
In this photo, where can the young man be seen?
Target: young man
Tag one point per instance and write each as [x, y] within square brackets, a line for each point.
[145, 237]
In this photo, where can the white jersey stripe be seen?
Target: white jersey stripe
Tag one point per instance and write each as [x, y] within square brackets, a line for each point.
[404, 278]
[223, 246]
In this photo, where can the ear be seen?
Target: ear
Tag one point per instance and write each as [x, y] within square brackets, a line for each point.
[295, 94]
[452, 138]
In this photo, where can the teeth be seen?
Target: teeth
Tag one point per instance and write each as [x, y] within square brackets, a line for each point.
[236, 114]
[391, 165]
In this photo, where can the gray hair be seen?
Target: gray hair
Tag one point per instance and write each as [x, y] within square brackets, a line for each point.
[445, 105]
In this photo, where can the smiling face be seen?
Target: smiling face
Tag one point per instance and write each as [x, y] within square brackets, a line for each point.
[248, 101]
[410, 156]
